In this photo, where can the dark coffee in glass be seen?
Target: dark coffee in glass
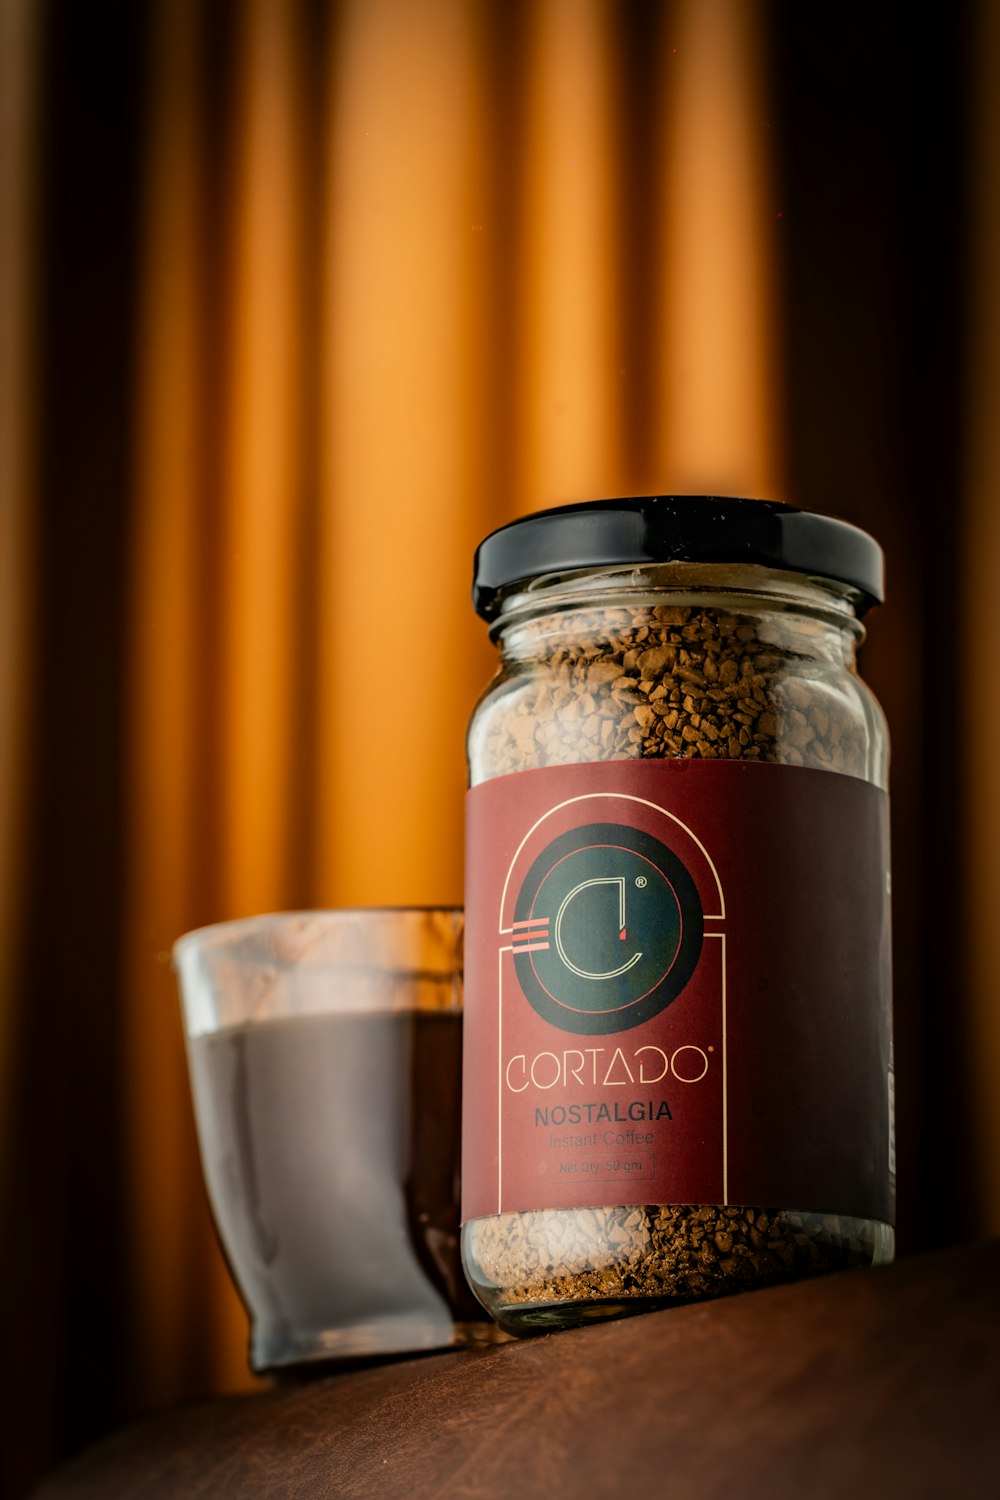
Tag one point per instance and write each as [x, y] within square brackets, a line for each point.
[329, 1118]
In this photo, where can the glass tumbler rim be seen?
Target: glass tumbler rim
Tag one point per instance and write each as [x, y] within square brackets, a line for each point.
[278, 965]
[262, 921]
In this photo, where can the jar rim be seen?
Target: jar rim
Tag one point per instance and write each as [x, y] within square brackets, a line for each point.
[730, 588]
[635, 530]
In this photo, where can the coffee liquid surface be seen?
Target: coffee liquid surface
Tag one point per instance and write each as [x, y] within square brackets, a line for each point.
[331, 1146]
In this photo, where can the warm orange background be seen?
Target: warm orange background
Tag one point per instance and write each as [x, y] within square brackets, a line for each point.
[344, 669]
[298, 302]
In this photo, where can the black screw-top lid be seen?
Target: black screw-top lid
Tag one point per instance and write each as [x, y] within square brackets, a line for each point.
[675, 528]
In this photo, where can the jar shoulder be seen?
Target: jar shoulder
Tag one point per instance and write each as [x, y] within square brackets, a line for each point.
[756, 692]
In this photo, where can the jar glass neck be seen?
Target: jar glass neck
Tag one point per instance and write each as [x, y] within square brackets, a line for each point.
[806, 616]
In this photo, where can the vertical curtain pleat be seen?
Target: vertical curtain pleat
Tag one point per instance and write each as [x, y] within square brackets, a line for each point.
[261, 508]
[403, 450]
[163, 664]
[717, 408]
[569, 386]
[18, 165]
[180, 1294]
[261, 501]
[977, 1012]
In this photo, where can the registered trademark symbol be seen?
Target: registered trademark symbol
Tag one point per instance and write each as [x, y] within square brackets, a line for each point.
[640, 881]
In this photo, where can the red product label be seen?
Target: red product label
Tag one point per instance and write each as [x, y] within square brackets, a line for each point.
[677, 989]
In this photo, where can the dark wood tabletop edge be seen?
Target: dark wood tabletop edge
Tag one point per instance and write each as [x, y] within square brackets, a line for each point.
[796, 1359]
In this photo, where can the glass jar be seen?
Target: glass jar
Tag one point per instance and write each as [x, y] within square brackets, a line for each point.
[678, 1054]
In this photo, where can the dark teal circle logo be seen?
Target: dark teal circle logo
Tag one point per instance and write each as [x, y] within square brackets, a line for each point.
[608, 929]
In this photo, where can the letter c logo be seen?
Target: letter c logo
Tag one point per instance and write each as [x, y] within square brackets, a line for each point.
[570, 896]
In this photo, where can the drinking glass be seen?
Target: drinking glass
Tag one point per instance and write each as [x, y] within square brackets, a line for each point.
[325, 1058]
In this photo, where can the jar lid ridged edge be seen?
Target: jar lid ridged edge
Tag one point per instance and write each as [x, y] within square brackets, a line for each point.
[675, 528]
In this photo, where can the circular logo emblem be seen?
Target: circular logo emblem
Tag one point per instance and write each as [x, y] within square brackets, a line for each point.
[608, 929]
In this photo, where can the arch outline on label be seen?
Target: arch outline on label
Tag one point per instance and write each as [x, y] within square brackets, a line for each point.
[618, 797]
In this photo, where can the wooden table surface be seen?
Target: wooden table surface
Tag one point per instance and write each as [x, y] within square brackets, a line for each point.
[872, 1383]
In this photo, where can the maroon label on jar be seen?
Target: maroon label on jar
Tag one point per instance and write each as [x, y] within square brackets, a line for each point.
[677, 989]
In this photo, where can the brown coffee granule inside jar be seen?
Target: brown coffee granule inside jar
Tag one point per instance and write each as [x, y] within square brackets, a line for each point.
[680, 1253]
[656, 681]
[668, 681]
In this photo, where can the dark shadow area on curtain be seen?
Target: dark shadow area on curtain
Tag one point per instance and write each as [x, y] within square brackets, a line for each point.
[63, 1271]
[870, 132]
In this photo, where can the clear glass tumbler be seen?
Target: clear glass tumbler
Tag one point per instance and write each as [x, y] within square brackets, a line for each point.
[325, 1058]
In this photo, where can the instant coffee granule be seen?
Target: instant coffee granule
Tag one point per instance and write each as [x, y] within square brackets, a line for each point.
[656, 1252]
[657, 681]
[670, 680]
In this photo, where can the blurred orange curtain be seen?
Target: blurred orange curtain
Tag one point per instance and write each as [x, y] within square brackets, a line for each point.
[718, 328]
[387, 324]
[979, 1016]
[18, 135]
